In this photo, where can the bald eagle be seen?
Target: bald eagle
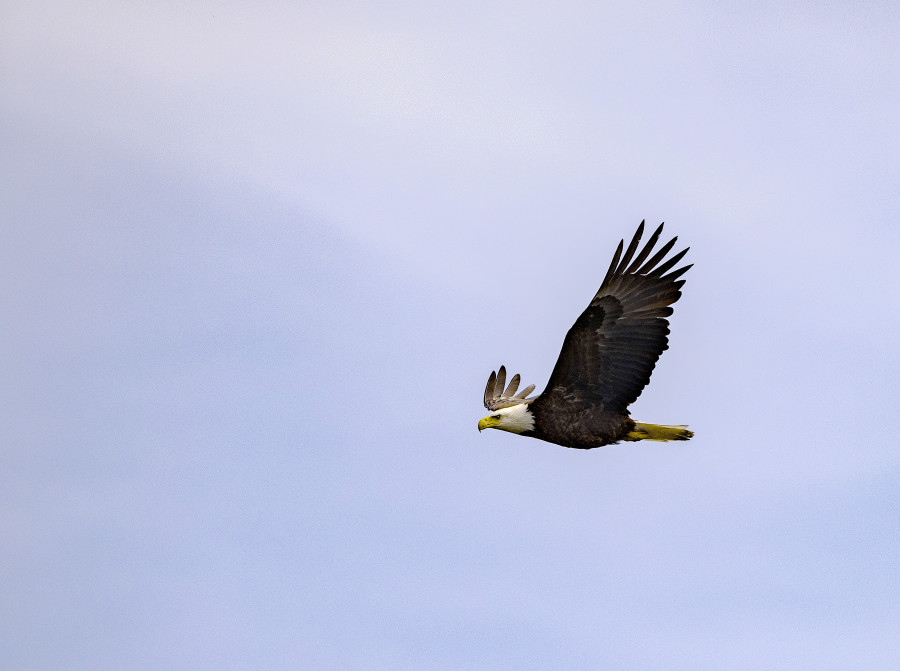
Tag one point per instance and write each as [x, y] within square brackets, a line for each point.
[606, 359]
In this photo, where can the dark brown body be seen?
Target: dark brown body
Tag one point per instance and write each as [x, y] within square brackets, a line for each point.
[581, 428]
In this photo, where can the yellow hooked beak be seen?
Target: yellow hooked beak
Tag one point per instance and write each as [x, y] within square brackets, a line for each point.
[488, 422]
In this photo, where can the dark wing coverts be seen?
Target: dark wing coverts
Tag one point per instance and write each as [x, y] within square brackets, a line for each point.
[612, 348]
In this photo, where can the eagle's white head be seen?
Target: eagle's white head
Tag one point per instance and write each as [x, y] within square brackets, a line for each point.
[515, 419]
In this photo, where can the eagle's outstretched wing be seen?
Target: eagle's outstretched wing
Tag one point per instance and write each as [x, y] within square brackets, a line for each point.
[494, 396]
[611, 350]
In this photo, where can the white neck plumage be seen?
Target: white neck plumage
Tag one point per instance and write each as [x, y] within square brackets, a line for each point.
[515, 419]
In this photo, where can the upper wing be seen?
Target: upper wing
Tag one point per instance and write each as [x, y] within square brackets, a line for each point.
[612, 348]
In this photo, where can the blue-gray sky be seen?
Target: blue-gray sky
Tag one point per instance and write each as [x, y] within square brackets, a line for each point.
[258, 260]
